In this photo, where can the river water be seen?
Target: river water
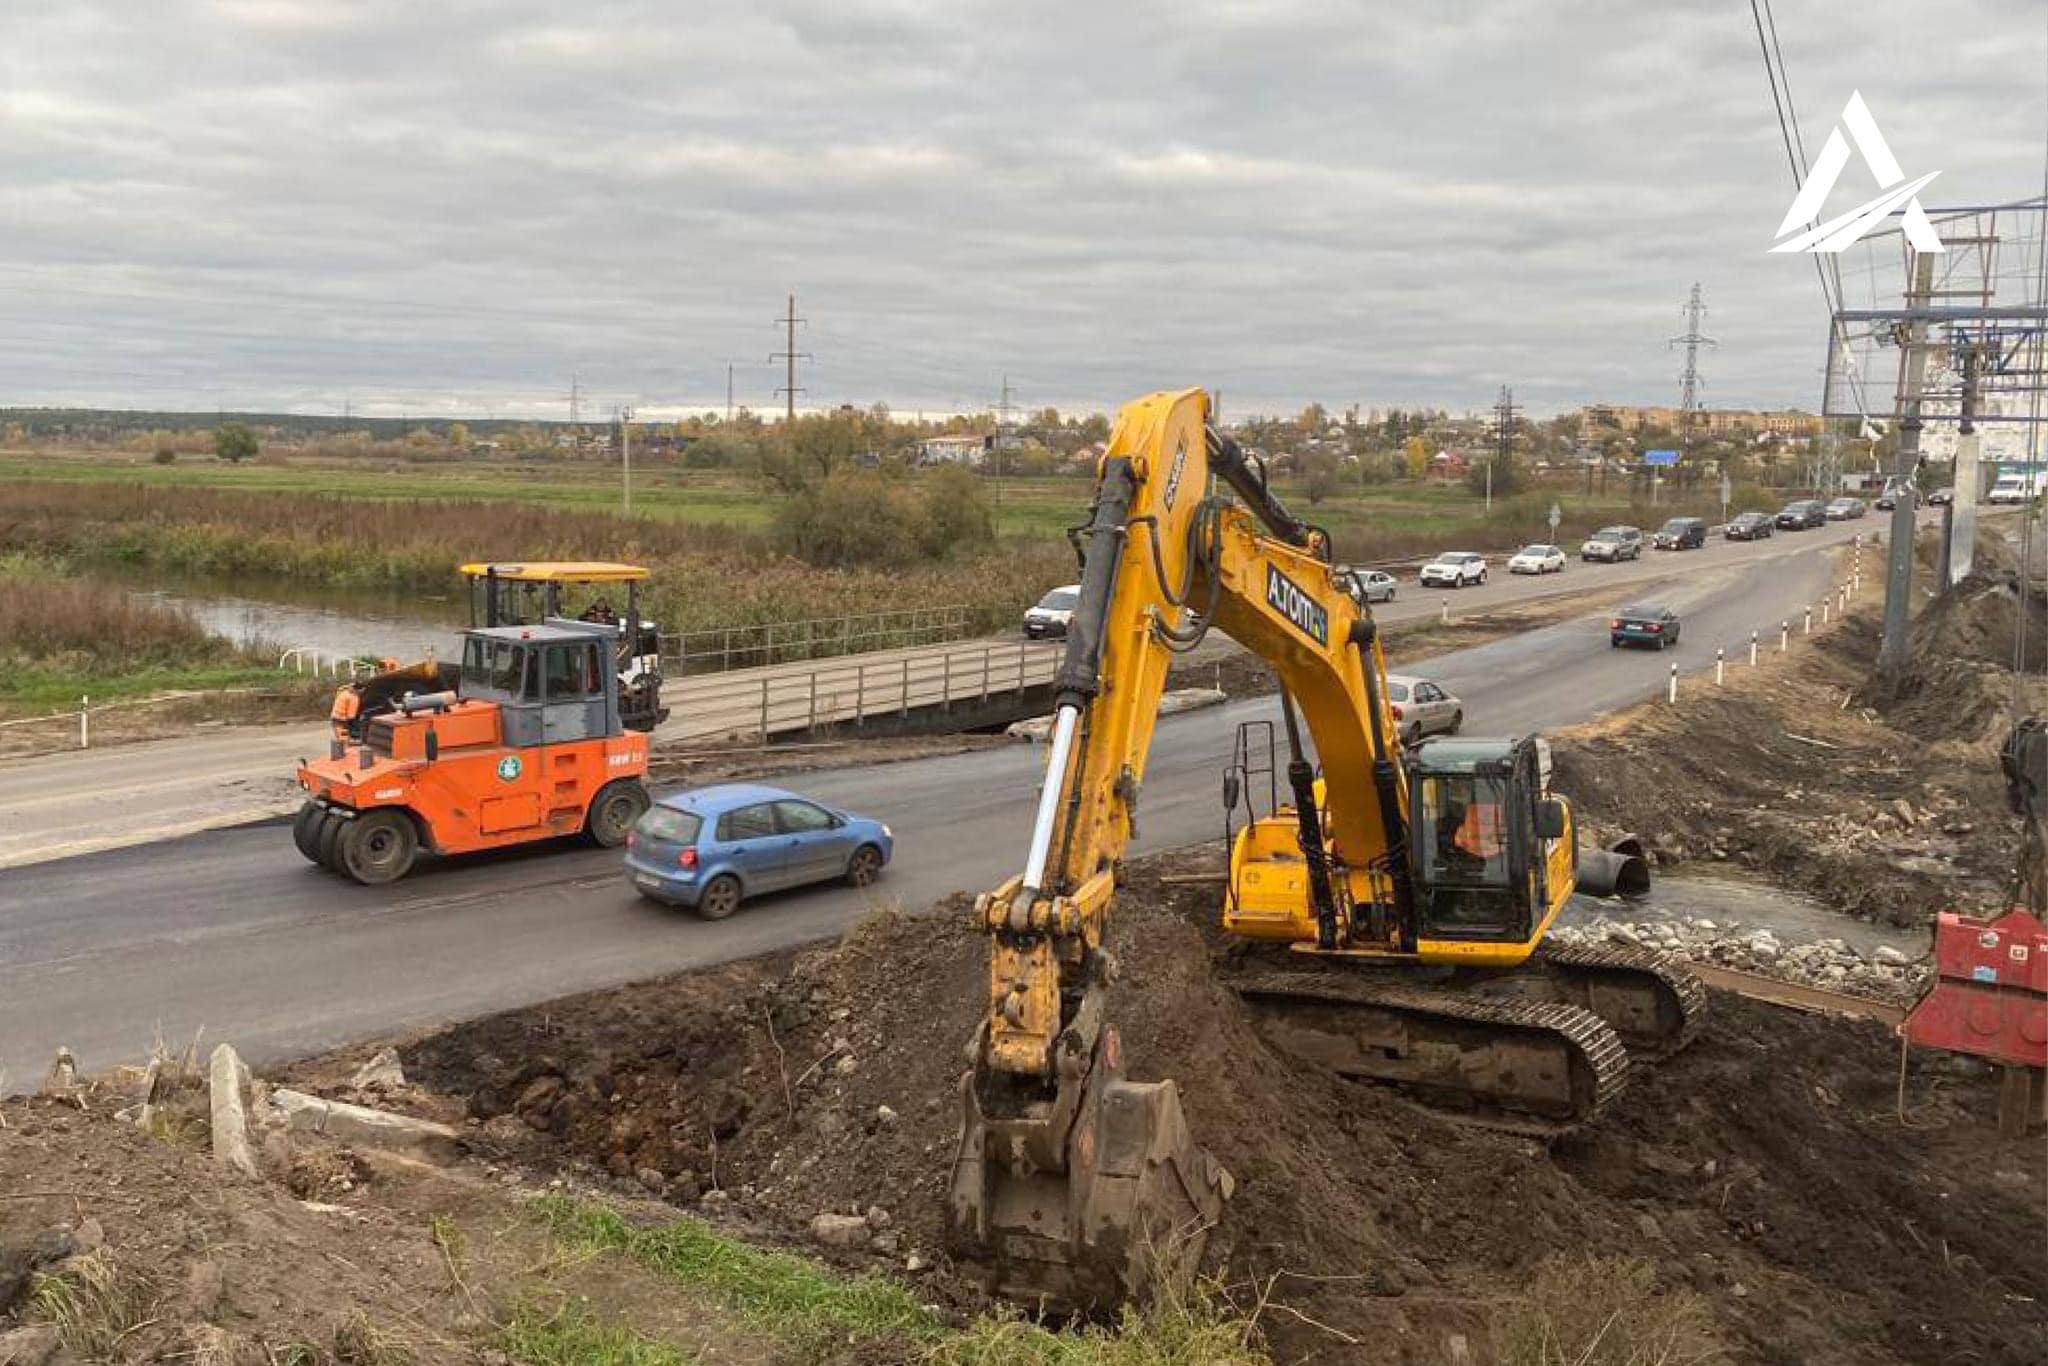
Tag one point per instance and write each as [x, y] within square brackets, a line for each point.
[284, 615]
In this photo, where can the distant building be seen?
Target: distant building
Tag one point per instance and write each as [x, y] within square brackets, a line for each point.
[1729, 422]
[954, 450]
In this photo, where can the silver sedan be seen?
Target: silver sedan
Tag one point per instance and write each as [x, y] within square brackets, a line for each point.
[1422, 708]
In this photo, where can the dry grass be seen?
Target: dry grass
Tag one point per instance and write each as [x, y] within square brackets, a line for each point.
[706, 575]
[1605, 1311]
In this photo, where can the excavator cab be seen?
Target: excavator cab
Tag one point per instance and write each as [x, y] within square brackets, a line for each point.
[1487, 843]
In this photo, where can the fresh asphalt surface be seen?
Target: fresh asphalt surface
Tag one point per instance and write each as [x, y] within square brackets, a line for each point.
[232, 932]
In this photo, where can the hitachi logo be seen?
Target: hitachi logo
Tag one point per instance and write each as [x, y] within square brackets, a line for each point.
[1303, 612]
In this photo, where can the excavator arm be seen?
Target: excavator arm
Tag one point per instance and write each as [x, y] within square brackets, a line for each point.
[1073, 1185]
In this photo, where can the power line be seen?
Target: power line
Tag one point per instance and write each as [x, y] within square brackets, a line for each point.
[789, 355]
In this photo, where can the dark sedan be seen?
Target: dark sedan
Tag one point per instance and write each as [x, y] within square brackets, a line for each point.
[1941, 498]
[1803, 515]
[1748, 526]
[1647, 624]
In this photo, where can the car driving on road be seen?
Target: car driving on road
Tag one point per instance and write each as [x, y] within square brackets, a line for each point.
[1612, 544]
[1748, 526]
[1680, 533]
[1454, 569]
[710, 848]
[1536, 559]
[1802, 515]
[1370, 585]
[1422, 708]
[1889, 499]
[1048, 620]
[1645, 624]
[1845, 509]
[1941, 497]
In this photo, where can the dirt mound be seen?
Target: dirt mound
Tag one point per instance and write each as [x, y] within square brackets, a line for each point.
[153, 1256]
[1764, 1168]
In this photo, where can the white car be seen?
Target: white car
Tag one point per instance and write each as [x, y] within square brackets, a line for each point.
[1454, 569]
[1370, 585]
[1048, 620]
[1537, 559]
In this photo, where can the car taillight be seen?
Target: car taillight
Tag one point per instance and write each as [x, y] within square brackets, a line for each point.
[1397, 711]
[632, 838]
[1652, 626]
[688, 858]
[1614, 625]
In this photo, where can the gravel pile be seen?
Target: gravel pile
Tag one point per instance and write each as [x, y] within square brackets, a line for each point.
[1883, 973]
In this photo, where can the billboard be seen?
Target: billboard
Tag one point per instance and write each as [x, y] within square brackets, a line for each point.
[1660, 457]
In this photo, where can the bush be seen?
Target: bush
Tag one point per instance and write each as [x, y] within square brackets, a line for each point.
[234, 443]
[858, 518]
[1605, 1311]
[164, 456]
[956, 513]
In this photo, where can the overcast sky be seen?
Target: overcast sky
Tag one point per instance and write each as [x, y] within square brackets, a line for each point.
[453, 208]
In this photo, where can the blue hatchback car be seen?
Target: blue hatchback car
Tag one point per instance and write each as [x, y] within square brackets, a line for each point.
[712, 847]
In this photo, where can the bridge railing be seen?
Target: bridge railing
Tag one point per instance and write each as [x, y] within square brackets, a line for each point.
[855, 691]
[720, 648]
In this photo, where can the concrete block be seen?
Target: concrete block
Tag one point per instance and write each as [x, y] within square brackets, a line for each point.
[359, 1124]
[225, 1078]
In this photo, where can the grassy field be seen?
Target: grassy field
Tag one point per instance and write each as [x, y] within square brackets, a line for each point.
[1372, 522]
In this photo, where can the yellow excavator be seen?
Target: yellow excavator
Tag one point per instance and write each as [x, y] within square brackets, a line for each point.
[1395, 906]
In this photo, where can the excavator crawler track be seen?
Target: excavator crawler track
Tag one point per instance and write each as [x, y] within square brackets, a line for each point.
[1531, 1066]
[1652, 1000]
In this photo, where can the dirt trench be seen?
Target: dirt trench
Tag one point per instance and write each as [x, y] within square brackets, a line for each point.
[1766, 1168]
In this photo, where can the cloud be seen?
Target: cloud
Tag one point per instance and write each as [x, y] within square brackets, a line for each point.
[457, 207]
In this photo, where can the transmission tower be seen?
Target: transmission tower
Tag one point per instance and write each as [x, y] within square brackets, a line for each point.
[1689, 381]
[789, 355]
[1504, 412]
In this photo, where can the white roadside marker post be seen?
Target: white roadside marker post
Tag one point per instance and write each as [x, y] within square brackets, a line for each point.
[1807, 630]
[1720, 666]
[1784, 636]
[1672, 694]
[1752, 649]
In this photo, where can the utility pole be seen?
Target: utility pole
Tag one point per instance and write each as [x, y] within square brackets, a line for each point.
[1503, 439]
[626, 450]
[575, 407]
[1898, 582]
[1959, 517]
[1689, 381]
[728, 393]
[789, 355]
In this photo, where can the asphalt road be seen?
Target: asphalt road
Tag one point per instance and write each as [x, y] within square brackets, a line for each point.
[232, 932]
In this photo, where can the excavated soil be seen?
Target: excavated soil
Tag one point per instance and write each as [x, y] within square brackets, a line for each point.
[1766, 1168]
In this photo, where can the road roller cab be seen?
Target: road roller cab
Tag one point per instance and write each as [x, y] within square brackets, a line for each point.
[528, 744]
[593, 593]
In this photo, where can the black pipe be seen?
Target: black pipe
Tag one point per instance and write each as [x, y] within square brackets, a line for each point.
[1301, 780]
[1079, 677]
[1386, 785]
[1227, 459]
[1605, 872]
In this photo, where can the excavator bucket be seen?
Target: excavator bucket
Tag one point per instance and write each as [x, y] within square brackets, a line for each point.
[1118, 1209]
